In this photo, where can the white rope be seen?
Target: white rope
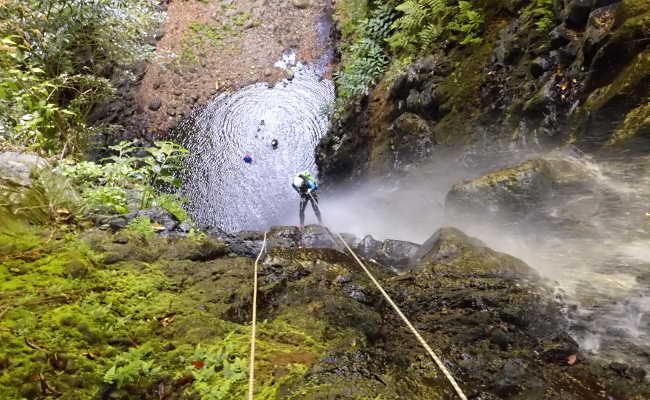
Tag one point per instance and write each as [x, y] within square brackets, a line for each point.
[407, 322]
[251, 367]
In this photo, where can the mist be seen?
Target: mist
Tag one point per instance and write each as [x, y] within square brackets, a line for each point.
[601, 271]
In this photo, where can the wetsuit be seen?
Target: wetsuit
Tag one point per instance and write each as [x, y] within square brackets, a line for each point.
[305, 188]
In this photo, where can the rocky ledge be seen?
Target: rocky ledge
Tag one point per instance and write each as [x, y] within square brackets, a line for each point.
[88, 311]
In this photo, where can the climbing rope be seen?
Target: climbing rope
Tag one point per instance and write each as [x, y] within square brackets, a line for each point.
[251, 367]
[406, 321]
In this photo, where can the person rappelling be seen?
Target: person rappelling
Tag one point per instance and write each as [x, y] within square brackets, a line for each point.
[305, 184]
[274, 144]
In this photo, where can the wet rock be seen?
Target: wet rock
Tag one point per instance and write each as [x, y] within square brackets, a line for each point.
[393, 253]
[543, 190]
[578, 11]
[411, 138]
[445, 243]
[508, 48]
[283, 236]
[317, 236]
[397, 253]
[539, 66]
[559, 349]
[155, 104]
[156, 215]
[289, 74]
[559, 37]
[600, 23]
[17, 168]
[368, 247]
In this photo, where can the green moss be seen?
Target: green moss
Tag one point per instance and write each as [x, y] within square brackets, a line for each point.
[636, 124]
[625, 83]
[134, 323]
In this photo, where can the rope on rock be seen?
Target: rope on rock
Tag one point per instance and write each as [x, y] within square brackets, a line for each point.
[251, 367]
[406, 321]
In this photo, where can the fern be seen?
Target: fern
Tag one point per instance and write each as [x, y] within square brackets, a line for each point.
[364, 60]
[423, 22]
[541, 11]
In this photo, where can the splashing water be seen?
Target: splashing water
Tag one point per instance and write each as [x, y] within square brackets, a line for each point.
[225, 192]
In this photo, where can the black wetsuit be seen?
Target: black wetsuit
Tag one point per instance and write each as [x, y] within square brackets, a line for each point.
[306, 196]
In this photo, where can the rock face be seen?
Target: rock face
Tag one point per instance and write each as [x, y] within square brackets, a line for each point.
[580, 75]
[545, 191]
[16, 168]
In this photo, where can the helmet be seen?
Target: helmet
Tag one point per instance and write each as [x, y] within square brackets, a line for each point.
[297, 181]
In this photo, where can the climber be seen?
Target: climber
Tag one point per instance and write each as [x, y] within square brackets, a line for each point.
[305, 184]
[248, 159]
[274, 143]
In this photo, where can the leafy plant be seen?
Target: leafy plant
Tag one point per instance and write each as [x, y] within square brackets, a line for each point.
[425, 21]
[541, 11]
[158, 169]
[131, 366]
[365, 60]
[141, 226]
[218, 371]
[105, 185]
[54, 59]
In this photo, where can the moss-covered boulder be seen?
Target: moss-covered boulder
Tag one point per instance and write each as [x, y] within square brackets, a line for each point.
[548, 191]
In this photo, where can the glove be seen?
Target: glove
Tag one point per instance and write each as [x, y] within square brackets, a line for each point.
[309, 191]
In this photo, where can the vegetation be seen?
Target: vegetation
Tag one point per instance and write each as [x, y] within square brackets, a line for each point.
[55, 57]
[542, 12]
[105, 185]
[376, 34]
[76, 323]
[365, 58]
[425, 21]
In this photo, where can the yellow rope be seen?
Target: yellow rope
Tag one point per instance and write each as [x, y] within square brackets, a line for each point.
[251, 367]
[408, 323]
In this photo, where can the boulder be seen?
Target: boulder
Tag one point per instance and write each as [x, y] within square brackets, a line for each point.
[17, 168]
[578, 11]
[543, 190]
[318, 237]
[301, 4]
[393, 253]
[283, 236]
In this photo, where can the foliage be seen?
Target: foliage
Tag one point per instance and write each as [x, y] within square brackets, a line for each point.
[425, 21]
[218, 371]
[33, 111]
[54, 59]
[141, 226]
[542, 12]
[171, 203]
[131, 366]
[104, 185]
[365, 59]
